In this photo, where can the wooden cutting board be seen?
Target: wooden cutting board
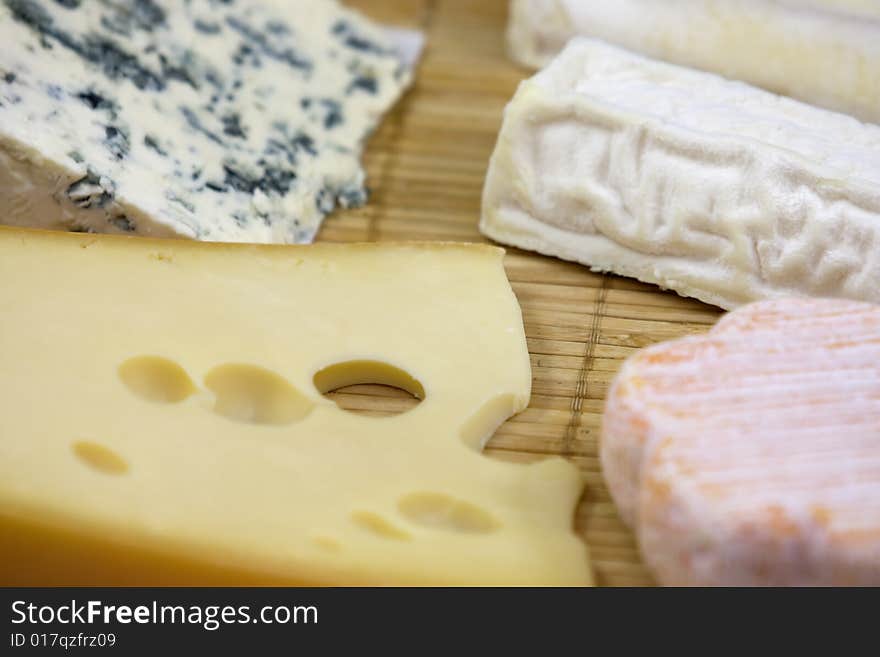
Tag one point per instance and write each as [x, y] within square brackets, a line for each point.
[426, 166]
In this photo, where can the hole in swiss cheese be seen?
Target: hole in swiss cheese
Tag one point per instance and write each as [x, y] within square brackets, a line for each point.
[156, 379]
[369, 387]
[441, 511]
[248, 393]
[376, 524]
[100, 458]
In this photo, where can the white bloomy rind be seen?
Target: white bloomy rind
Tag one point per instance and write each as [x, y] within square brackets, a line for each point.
[825, 52]
[708, 187]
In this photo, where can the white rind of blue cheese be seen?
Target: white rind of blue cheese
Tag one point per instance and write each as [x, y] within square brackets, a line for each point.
[218, 120]
[708, 187]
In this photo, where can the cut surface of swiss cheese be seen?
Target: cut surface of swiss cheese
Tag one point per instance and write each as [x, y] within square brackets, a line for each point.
[824, 52]
[751, 455]
[711, 188]
[163, 421]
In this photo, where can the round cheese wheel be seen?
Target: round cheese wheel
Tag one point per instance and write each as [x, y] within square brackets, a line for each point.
[751, 455]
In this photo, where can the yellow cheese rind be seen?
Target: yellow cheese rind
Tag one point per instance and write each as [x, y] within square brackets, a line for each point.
[160, 422]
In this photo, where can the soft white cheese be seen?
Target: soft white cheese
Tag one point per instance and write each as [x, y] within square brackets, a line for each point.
[712, 188]
[224, 121]
[825, 52]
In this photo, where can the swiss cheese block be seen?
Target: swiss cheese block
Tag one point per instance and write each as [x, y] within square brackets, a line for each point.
[712, 188]
[219, 121]
[162, 418]
[751, 455]
[825, 52]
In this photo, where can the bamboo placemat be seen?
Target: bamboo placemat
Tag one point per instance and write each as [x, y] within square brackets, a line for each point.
[426, 166]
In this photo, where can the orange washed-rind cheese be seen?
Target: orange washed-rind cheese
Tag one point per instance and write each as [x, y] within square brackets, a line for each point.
[751, 455]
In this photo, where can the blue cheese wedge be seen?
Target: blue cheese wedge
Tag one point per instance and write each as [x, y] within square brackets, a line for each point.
[218, 120]
[824, 52]
[712, 188]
